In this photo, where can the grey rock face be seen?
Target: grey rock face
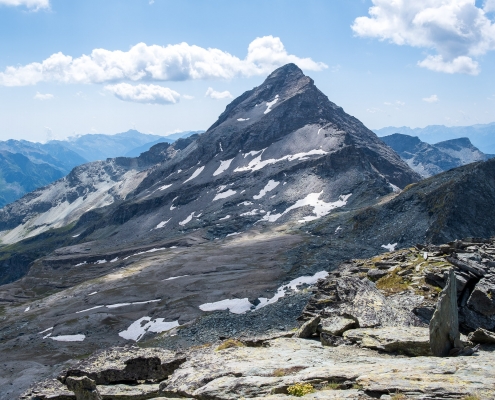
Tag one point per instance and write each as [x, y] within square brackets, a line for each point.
[308, 329]
[83, 387]
[482, 298]
[336, 325]
[359, 300]
[444, 325]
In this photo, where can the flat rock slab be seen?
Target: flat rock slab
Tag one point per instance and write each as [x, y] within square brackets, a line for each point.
[54, 390]
[127, 392]
[124, 364]
[252, 372]
[412, 341]
[351, 394]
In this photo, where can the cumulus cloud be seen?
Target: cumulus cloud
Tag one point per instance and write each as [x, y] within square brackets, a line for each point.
[34, 5]
[41, 96]
[213, 94]
[457, 30]
[177, 62]
[489, 6]
[148, 94]
[432, 99]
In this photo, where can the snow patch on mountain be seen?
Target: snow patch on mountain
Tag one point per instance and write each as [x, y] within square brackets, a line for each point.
[224, 195]
[139, 328]
[270, 104]
[257, 163]
[390, 246]
[268, 188]
[224, 165]
[320, 208]
[195, 174]
[68, 338]
[241, 306]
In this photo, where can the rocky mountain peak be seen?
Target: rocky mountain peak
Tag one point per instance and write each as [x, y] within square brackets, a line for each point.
[281, 84]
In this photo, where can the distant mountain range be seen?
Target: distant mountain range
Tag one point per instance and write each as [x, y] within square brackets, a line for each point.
[166, 139]
[99, 146]
[481, 135]
[428, 160]
[26, 166]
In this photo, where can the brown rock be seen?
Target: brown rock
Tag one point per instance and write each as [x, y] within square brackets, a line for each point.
[83, 387]
[482, 336]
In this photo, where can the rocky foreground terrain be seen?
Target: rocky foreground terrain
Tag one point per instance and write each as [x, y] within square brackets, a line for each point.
[365, 336]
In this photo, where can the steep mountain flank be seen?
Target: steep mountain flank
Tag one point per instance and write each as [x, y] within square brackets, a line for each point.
[280, 152]
[19, 175]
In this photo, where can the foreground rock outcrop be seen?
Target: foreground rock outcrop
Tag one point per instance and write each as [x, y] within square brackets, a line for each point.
[333, 372]
[406, 289]
[444, 325]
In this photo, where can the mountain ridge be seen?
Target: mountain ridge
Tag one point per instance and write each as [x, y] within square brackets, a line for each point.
[481, 135]
[430, 159]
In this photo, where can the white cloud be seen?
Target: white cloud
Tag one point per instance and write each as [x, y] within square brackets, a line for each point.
[41, 96]
[432, 99]
[456, 29]
[217, 95]
[171, 63]
[462, 64]
[373, 110]
[149, 94]
[34, 5]
[187, 97]
[489, 5]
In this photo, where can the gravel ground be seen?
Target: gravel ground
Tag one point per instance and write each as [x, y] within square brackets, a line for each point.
[272, 320]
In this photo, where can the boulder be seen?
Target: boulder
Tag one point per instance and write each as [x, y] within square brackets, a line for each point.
[360, 300]
[122, 364]
[411, 341]
[308, 329]
[375, 274]
[444, 325]
[336, 325]
[482, 336]
[83, 387]
[482, 298]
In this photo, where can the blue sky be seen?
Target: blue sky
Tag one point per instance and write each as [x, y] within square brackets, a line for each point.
[407, 63]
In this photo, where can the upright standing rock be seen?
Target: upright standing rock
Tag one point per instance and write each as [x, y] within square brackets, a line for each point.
[83, 387]
[444, 325]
